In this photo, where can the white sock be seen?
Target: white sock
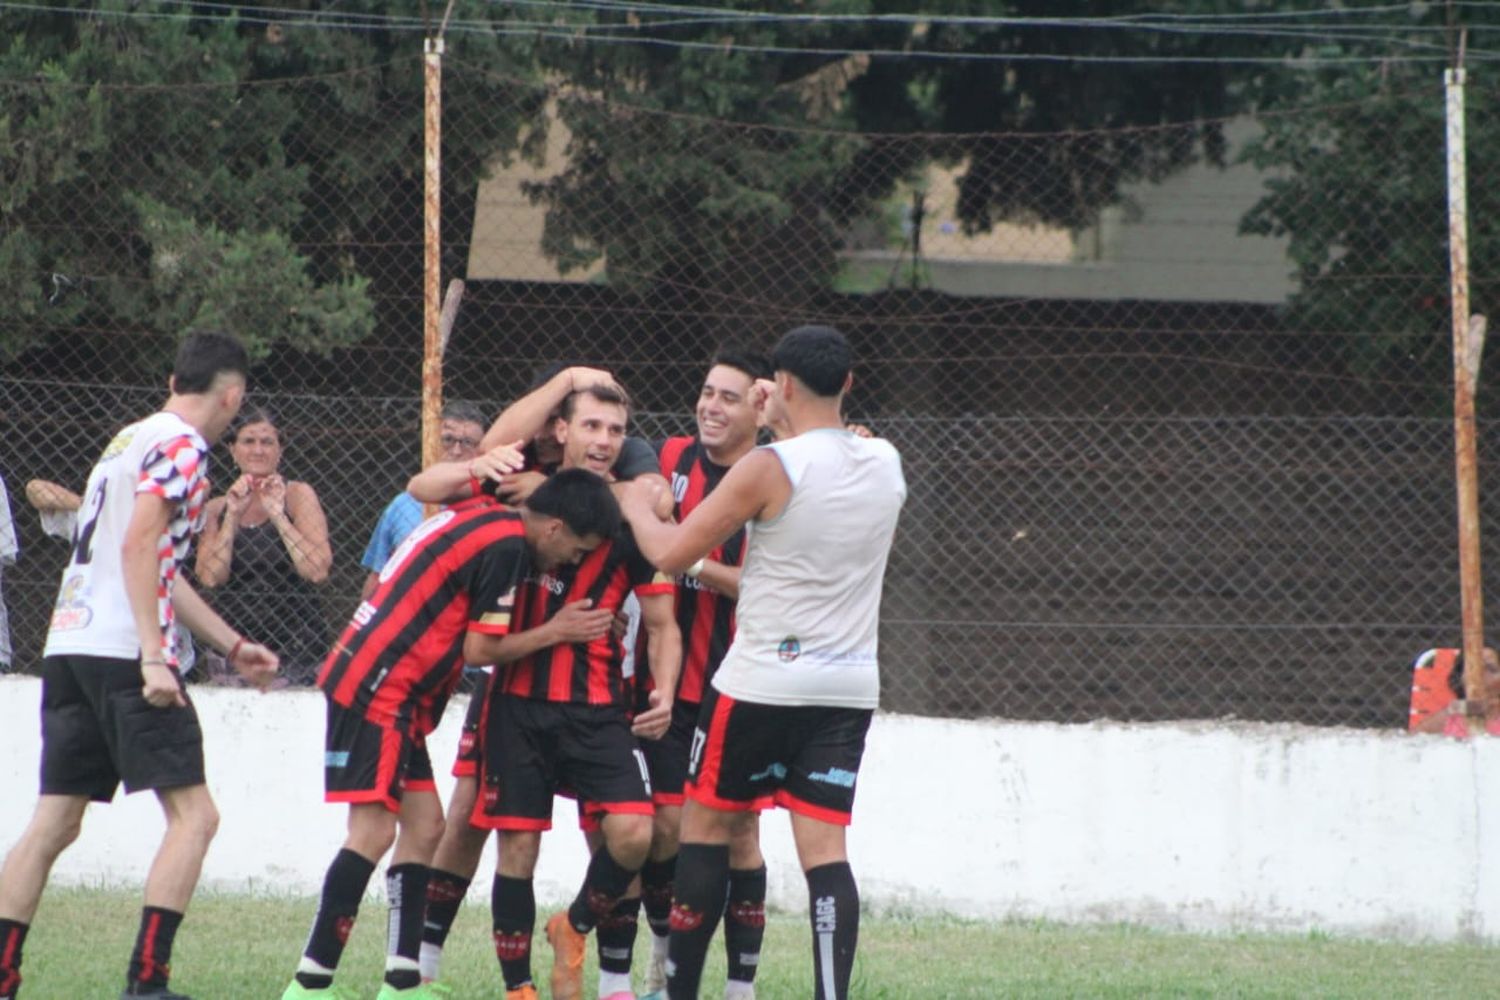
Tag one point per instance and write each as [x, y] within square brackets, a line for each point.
[659, 946]
[308, 965]
[400, 963]
[735, 989]
[614, 982]
[430, 958]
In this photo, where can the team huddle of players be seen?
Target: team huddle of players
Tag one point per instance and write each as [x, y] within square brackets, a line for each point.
[755, 678]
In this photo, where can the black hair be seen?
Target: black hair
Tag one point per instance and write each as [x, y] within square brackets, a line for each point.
[468, 412]
[203, 356]
[603, 393]
[253, 415]
[752, 363]
[581, 500]
[819, 357]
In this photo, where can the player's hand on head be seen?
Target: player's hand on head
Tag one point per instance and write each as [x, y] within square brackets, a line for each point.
[159, 686]
[652, 724]
[580, 621]
[583, 377]
[255, 663]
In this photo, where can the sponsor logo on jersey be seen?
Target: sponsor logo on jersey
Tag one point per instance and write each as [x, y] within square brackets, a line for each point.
[550, 583]
[789, 649]
[71, 612]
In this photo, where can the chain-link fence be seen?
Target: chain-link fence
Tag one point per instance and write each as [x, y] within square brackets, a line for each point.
[1182, 452]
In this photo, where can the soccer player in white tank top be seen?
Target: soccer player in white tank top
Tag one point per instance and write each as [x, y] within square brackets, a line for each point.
[786, 717]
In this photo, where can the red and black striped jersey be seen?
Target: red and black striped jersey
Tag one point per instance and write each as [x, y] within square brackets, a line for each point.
[705, 617]
[401, 655]
[581, 673]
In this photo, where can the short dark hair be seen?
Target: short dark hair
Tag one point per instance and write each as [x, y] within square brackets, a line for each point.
[253, 415]
[203, 356]
[752, 363]
[819, 356]
[580, 499]
[461, 409]
[603, 393]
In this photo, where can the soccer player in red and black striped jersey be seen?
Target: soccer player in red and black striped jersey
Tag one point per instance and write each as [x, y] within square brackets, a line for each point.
[449, 586]
[728, 422]
[558, 720]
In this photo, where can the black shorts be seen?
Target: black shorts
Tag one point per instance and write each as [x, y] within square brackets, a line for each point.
[470, 746]
[365, 762]
[804, 758]
[667, 758]
[535, 749]
[98, 730]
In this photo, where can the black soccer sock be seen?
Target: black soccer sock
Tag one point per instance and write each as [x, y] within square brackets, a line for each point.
[833, 902]
[603, 885]
[702, 886]
[616, 934]
[745, 921]
[406, 891]
[12, 938]
[445, 894]
[513, 912]
[343, 887]
[151, 961]
[656, 894]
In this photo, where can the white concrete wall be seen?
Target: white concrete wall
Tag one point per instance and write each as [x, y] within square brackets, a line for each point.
[1197, 825]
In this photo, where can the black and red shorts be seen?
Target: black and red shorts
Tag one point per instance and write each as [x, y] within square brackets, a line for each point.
[535, 749]
[470, 746]
[98, 731]
[367, 762]
[667, 758]
[805, 758]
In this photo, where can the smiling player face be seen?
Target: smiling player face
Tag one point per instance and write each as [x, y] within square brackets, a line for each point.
[725, 412]
[592, 437]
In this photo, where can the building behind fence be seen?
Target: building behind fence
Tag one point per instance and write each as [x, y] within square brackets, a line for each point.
[1135, 494]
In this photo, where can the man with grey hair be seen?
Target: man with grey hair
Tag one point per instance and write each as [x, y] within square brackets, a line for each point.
[461, 430]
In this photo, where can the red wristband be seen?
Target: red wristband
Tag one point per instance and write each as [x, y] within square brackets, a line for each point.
[229, 656]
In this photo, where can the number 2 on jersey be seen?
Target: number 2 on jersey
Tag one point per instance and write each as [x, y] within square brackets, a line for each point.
[83, 540]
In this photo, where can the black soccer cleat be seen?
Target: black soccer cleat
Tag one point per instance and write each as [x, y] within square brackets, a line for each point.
[156, 992]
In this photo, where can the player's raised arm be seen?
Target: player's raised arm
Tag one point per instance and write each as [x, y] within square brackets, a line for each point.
[527, 417]
[755, 487]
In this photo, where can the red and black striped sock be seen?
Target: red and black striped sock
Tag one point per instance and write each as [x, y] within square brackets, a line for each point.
[12, 938]
[151, 961]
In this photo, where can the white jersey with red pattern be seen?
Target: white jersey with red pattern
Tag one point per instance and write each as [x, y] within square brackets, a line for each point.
[162, 455]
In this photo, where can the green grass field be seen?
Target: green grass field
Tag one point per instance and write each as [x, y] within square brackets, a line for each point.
[234, 947]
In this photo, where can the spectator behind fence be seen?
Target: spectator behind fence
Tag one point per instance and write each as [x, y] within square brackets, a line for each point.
[1453, 719]
[461, 429]
[263, 551]
[9, 550]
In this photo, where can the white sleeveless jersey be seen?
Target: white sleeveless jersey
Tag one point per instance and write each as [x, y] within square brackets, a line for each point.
[162, 455]
[808, 616]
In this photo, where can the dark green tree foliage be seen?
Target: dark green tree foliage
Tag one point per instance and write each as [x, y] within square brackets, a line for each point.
[666, 196]
[671, 176]
[160, 171]
[1361, 192]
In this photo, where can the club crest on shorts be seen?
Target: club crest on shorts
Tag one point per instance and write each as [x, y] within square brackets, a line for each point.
[789, 649]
